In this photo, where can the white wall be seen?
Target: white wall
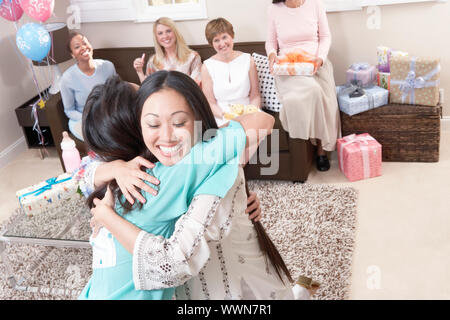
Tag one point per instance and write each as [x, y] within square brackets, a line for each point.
[15, 84]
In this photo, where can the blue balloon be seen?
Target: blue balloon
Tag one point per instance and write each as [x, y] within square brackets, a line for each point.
[33, 41]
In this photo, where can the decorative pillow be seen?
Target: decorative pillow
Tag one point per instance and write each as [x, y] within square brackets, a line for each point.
[266, 84]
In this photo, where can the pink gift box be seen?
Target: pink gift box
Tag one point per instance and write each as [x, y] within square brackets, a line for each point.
[359, 156]
[362, 72]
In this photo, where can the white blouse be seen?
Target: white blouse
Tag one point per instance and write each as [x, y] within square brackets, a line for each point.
[212, 254]
[231, 81]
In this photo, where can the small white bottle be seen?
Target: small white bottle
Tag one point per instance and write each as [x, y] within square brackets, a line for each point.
[70, 155]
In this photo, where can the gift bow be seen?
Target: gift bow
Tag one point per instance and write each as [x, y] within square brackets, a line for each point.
[363, 142]
[50, 183]
[360, 66]
[352, 87]
[411, 83]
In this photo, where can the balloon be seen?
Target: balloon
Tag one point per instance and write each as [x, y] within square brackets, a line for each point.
[11, 10]
[33, 41]
[38, 9]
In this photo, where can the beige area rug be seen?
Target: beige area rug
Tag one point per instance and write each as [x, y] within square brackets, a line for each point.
[313, 227]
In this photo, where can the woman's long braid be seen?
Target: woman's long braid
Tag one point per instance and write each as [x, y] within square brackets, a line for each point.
[268, 247]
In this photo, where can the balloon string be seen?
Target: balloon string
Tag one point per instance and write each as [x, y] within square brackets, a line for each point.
[35, 80]
[38, 129]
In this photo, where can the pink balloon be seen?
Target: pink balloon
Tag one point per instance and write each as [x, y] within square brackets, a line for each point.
[11, 10]
[38, 9]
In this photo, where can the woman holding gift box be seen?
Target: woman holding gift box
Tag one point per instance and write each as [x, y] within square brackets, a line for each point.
[78, 81]
[310, 109]
[228, 77]
[167, 105]
[171, 53]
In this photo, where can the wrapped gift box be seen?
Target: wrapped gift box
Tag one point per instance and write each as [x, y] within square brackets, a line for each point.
[35, 199]
[374, 97]
[362, 72]
[384, 80]
[295, 63]
[293, 69]
[359, 156]
[415, 81]
[384, 56]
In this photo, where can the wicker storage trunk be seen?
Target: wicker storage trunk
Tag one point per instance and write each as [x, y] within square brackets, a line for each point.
[407, 133]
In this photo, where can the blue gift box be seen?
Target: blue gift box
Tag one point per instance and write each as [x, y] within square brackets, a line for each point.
[373, 97]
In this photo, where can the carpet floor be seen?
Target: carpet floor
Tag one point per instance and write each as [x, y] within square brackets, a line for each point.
[313, 226]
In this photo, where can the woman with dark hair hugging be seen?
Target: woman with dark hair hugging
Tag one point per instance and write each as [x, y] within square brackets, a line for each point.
[195, 234]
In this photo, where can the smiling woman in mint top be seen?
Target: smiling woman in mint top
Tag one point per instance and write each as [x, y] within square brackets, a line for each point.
[310, 109]
[195, 233]
[78, 81]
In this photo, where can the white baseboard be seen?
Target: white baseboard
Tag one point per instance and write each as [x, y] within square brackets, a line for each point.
[11, 152]
[445, 123]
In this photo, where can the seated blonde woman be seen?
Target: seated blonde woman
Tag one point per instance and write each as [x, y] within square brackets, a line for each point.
[171, 53]
[230, 76]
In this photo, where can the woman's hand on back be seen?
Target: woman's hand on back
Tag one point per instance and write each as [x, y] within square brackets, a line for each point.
[130, 178]
[100, 211]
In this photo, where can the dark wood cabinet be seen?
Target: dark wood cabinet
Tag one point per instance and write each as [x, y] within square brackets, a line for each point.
[26, 121]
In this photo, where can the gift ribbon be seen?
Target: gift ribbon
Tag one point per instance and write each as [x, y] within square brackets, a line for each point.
[352, 87]
[289, 67]
[361, 66]
[411, 82]
[363, 142]
[50, 183]
[36, 126]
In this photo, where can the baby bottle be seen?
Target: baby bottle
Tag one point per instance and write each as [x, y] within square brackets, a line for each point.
[70, 155]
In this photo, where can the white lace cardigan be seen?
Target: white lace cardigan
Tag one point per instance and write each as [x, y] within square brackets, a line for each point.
[212, 254]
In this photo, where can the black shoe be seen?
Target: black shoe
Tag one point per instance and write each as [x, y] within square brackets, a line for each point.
[322, 163]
